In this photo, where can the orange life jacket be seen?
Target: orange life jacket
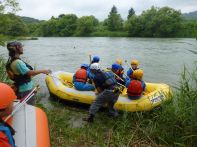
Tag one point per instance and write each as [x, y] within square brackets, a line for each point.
[135, 88]
[81, 75]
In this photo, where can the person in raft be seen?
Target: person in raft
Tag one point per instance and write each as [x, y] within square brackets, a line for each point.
[95, 59]
[107, 92]
[7, 96]
[119, 72]
[136, 85]
[80, 79]
[134, 66]
[21, 72]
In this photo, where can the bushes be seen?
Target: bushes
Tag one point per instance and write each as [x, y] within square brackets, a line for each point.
[3, 74]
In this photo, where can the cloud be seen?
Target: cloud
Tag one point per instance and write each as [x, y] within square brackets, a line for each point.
[44, 9]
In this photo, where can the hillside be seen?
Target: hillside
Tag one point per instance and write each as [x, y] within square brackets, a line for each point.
[29, 19]
[190, 16]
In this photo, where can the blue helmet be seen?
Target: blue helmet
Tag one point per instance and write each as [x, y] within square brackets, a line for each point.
[115, 66]
[96, 59]
[84, 65]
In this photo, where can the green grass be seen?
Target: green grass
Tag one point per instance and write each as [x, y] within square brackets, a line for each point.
[109, 34]
[3, 74]
[174, 124]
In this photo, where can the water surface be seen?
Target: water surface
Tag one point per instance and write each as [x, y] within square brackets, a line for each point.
[161, 59]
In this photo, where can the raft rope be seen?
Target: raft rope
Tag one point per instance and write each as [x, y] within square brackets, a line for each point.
[64, 82]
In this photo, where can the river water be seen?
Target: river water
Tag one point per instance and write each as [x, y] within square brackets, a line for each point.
[161, 59]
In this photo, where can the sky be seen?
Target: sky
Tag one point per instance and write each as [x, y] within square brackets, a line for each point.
[44, 9]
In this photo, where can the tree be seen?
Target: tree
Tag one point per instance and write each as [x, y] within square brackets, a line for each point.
[12, 25]
[86, 25]
[67, 25]
[170, 25]
[134, 26]
[131, 13]
[9, 5]
[61, 15]
[114, 21]
[48, 28]
[155, 22]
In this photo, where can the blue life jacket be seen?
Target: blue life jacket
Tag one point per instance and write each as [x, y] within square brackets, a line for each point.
[110, 79]
[8, 131]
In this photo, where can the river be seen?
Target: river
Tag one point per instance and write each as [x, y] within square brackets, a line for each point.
[161, 59]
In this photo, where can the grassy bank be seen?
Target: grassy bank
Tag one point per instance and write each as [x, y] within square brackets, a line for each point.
[174, 124]
[3, 74]
[109, 34]
[26, 38]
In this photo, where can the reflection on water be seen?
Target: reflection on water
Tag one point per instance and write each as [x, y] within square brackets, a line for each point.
[161, 59]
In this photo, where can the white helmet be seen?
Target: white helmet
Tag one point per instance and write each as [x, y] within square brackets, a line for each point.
[95, 66]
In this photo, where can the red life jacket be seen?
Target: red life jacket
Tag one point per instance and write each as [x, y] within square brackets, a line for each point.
[81, 75]
[135, 88]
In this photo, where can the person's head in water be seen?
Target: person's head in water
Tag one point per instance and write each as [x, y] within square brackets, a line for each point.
[96, 59]
[15, 48]
[94, 67]
[7, 96]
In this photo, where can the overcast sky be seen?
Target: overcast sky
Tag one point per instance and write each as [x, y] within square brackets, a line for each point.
[44, 9]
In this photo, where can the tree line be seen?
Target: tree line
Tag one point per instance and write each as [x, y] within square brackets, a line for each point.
[154, 22]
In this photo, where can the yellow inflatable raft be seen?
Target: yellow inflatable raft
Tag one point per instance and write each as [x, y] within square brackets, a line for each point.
[60, 84]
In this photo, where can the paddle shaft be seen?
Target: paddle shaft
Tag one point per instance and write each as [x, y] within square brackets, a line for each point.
[128, 65]
[90, 57]
[118, 77]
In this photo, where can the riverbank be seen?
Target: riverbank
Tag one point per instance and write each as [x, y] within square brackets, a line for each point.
[174, 124]
[26, 38]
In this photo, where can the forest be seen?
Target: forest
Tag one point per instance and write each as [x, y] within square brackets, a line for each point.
[154, 22]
